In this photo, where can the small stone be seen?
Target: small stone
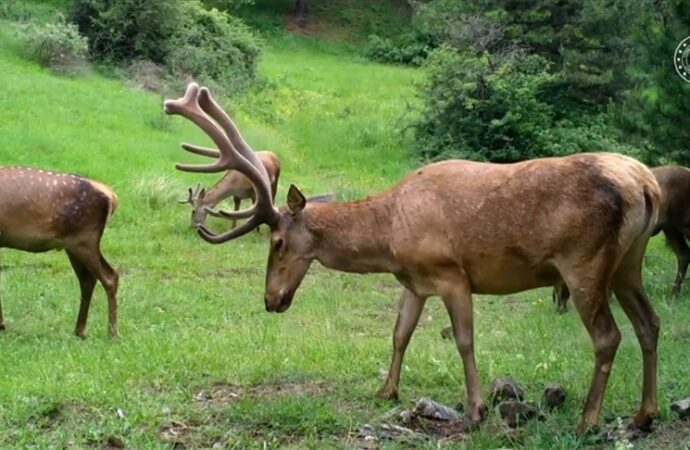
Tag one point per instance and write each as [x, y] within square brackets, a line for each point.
[426, 407]
[116, 442]
[554, 396]
[516, 413]
[447, 333]
[682, 408]
[406, 417]
[504, 389]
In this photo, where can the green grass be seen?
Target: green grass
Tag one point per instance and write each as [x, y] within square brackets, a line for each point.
[199, 361]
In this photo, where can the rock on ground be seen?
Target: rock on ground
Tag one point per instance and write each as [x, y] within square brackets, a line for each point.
[682, 408]
[554, 396]
[504, 389]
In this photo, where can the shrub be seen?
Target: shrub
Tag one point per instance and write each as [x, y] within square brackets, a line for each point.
[57, 46]
[180, 35]
[478, 108]
[15, 11]
[124, 30]
[214, 47]
[492, 108]
[410, 49]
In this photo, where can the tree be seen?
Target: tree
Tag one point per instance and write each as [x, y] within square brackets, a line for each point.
[655, 114]
[529, 78]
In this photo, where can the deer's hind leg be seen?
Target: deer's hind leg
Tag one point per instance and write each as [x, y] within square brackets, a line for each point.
[676, 240]
[588, 286]
[237, 201]
[627, 284]
[88, 259]
[87, 282]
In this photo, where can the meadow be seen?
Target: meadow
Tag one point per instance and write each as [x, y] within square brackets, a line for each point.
[199, 363]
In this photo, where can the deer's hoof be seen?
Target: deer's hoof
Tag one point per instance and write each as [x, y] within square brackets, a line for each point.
[386, 393]
[2, 327]
[643, 422]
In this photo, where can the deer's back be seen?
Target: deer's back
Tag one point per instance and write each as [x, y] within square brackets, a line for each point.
[40, 210]
[522, 218]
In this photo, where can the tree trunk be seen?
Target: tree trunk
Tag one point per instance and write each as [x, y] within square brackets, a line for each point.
[301, 12]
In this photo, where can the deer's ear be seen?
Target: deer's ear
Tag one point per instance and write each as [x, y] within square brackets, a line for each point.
[295, 200]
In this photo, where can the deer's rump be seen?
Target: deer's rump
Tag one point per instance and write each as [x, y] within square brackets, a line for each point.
[40, 209]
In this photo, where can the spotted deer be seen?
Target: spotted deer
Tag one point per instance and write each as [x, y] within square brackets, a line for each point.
[457, 228]
[42, 210]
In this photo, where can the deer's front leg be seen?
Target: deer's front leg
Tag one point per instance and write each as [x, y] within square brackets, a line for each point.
[409, 310]
[457, 297]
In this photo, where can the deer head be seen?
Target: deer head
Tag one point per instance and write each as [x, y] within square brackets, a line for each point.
[291, 250]
[194, 197]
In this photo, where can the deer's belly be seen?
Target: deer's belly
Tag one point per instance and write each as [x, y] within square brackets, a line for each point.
[507, 276]
[29, 243]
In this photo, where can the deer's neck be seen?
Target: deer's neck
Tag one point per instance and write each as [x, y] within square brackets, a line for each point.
[353, 236]
[213, 196]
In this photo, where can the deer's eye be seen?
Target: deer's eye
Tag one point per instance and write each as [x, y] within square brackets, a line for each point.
[277, 244]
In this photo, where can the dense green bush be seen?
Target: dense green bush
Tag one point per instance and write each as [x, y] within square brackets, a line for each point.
[474, 109]
[410, 48]
[58, 46]
[215, 47]
[180, 35]
[124, 30]
[490, 108]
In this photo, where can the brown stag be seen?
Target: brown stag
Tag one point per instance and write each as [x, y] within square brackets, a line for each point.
[233, 184]
[674, 222]
[455, 228]
[42, 210]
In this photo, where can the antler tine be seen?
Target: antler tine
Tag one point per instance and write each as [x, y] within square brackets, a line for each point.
[229, 157]
[241, 230]
[211, 107]
[232, 215]
[203, 151]
[192, 194]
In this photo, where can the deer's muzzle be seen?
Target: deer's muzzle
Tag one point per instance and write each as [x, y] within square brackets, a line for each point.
[279, 303]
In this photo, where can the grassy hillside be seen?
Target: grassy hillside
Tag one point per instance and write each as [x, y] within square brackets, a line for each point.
[199, 361]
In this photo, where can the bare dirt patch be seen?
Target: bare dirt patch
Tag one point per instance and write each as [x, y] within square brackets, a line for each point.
[674, 434]
[221, 395]
[177, 433]
[306, 27]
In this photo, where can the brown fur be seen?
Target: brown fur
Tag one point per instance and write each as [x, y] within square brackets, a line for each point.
[673, 221]
[42, 210]
[455, 228]
[234, 184]
[674, 215]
